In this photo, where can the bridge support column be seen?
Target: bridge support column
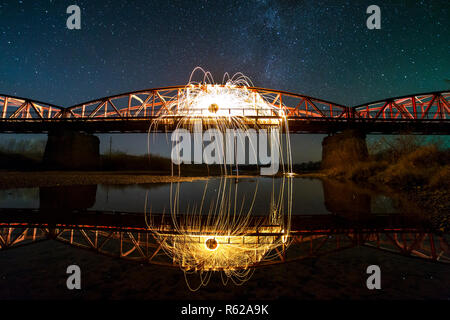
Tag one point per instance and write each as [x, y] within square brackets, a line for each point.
[344, 149]
[67, 197]
[71, 150]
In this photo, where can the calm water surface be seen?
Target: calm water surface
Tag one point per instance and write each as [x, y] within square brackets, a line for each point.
[33, 259]
[309, 196]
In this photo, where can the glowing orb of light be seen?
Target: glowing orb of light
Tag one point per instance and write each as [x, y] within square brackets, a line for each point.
[213, 108]
[211, 244]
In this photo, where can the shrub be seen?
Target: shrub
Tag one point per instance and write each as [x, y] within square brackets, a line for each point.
[425, 156]
[441, 178]
[403, 175]
[363, 171]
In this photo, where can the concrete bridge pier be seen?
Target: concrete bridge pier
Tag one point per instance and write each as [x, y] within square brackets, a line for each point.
[344, 149]
[71, 150]
[67, 197]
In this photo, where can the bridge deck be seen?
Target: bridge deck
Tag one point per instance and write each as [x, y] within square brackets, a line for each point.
[296, 125]
[130, 221]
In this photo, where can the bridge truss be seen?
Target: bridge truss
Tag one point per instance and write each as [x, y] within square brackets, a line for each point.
[426, 106]
[139, 245]
[22, 108]
[150, 103]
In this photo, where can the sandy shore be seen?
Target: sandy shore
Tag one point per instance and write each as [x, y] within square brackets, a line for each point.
[16, 179]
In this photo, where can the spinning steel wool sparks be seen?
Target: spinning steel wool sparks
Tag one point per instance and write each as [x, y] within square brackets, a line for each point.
[231, 103]
[230, 108]
[220, 234]
[229, 100]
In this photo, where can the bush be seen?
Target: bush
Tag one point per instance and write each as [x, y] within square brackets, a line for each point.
[403, 175]
[441, 178]
[414, 168]
[425, 156]
[363, 171]
[406, 167]
[404, 161]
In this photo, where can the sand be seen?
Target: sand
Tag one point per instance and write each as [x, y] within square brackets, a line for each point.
[20, 179]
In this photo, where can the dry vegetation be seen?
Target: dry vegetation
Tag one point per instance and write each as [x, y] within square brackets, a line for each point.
[419, 167]
[405, 162]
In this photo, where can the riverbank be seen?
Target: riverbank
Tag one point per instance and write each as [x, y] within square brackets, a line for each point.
[421, 173]
[434, 204]
[23, 179]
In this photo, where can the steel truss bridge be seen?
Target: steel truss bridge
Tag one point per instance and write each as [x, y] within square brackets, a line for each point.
[425, 113]
[125, 236]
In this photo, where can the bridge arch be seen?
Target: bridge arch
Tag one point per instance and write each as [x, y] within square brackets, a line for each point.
[149, 103]
[422, 106]
[13, 107]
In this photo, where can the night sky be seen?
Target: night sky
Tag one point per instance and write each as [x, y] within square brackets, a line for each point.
[318, 48]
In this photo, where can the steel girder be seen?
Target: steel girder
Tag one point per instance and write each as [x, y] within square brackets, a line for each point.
[425, 113]
[12, 107]
[141, 246]
[150, 103]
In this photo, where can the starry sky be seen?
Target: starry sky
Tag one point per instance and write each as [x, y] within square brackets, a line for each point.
[318, 48]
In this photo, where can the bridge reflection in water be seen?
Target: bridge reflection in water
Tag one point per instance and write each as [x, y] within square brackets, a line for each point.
[310, 236]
